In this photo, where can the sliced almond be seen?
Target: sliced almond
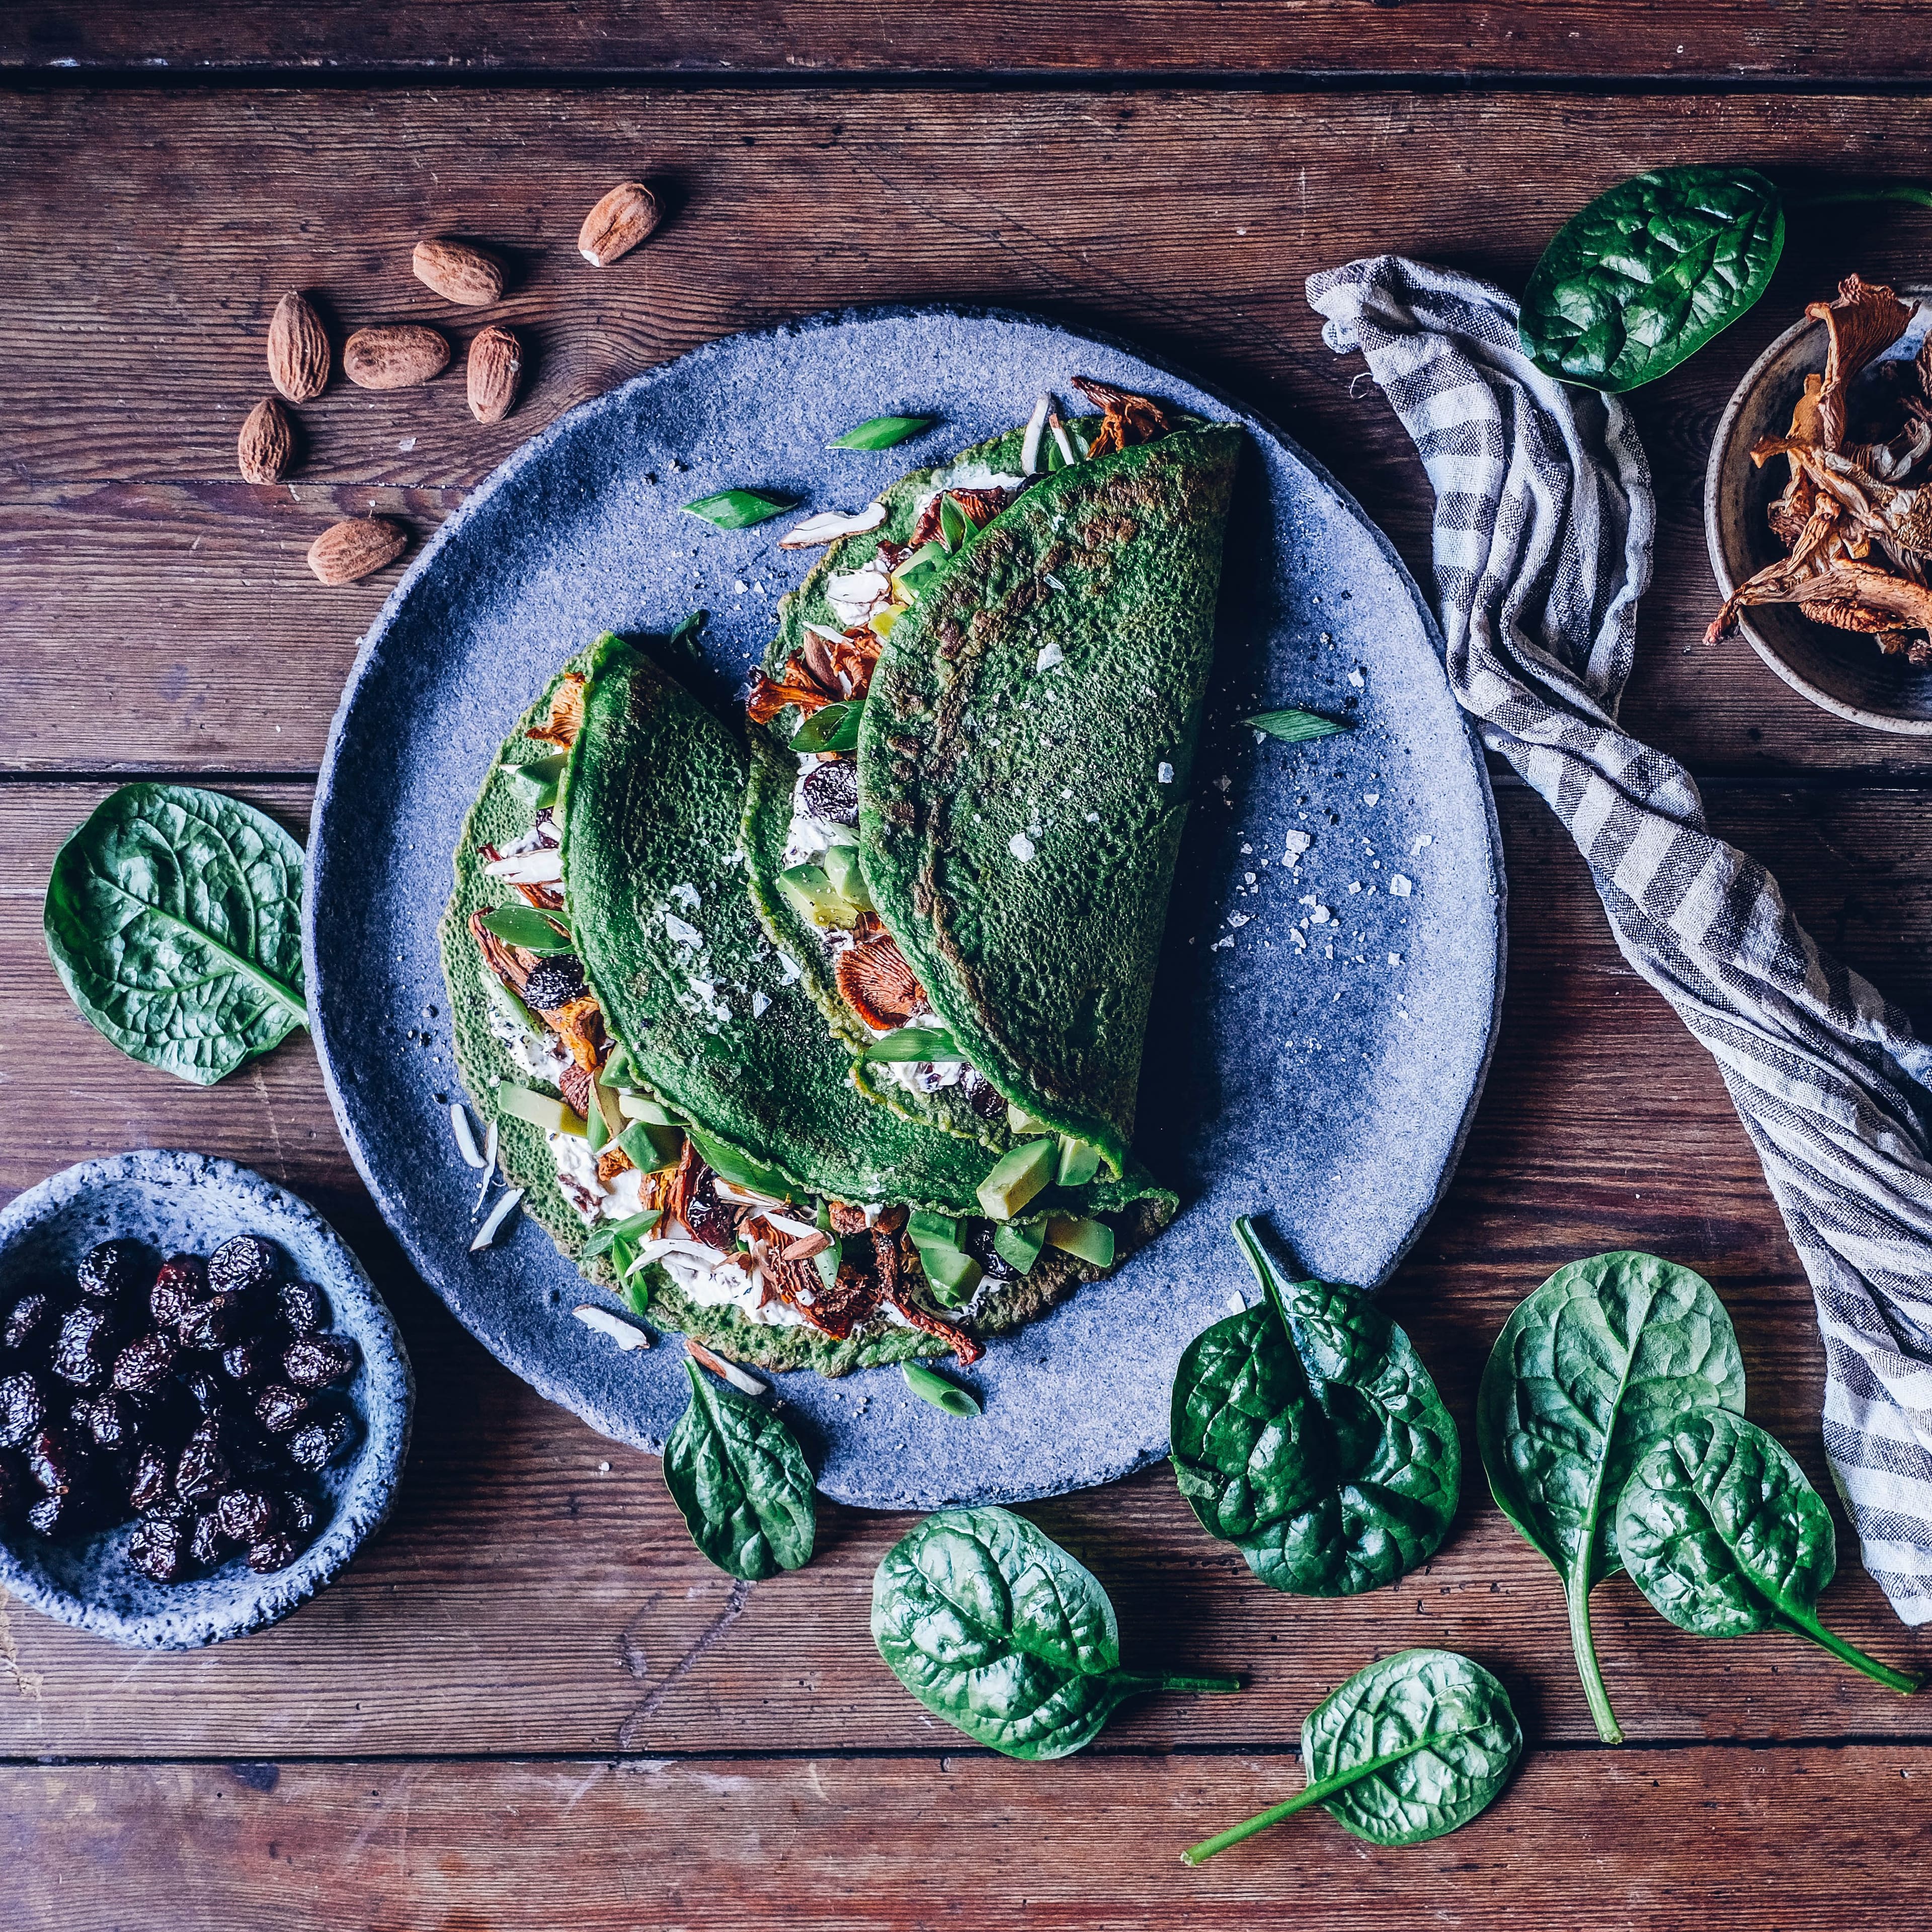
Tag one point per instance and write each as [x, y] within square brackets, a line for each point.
[828, 526]
[266, 446]
[619, 222]
[496, 373]
[346, 552]
[298, 356]
[398, 356]
[459, 273]
[805, 1247]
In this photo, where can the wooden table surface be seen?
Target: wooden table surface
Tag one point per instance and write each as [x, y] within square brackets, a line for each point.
[529, 1703]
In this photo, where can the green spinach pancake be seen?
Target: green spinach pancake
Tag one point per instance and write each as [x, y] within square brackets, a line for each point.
[681, 1120]
[975, 734]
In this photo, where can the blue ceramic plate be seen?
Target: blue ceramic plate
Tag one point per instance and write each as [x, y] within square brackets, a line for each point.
[176, 1202]
[1321, 1030]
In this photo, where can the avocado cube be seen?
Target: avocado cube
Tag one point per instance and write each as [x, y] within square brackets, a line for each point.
[1019, 1247]
[651, 1145]
[541, 1110]
[813, 895]
[840, 864]
[1022, 1122]
[1079, 1235]
[1079, 1162]
[924, 1226]
[954, 1275]
[1017, 1175]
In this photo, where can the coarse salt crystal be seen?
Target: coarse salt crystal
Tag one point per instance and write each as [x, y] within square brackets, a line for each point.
[681, 932]
[1400, 886]
[1322, 915]
[1395, 959]
[1050, 655]
[686, 895]
[759, 1003]
[1372, 798]
[1022, 848]
[1164, 773]
[1356, 678]
[1354, 885]
[1298, 842]
[1237, 919]
[1426, 839]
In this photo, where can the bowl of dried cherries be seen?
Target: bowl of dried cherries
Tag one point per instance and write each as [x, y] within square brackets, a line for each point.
[205, 1404]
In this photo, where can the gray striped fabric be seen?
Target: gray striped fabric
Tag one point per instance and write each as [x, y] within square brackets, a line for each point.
[1544, 522]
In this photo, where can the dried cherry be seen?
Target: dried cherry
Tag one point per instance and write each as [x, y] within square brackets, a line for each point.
[30, 1324]
[279, 1408]
[316, 1444]
[243, 1265]
[314, 1361]
[203, 1470]
[205, 1542]
[158, 1548]
[146, 1363]
[248, 1362]
[111, 1271]
[83, 1350]
[247, 1515]
[273, 1553]
[301, 1308]
[23, 1408]
[149, 1482]
[209, 1326]
[298, 1513]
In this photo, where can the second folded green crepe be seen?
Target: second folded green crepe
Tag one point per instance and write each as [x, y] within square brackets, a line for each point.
[1025, 763]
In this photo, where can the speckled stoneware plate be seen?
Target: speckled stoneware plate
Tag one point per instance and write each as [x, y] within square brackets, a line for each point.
[1325, 1083]
[1839, 671]
[178, 1202]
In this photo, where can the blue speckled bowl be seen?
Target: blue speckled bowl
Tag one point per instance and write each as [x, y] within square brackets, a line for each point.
[1323, 1082]
[175, 1202]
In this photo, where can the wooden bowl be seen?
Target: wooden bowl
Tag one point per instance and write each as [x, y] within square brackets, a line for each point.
[1840, 670]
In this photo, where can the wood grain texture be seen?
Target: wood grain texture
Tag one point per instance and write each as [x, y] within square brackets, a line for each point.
[170, 599]
[1713, 39]
[1635, 1841]
[523, 1598]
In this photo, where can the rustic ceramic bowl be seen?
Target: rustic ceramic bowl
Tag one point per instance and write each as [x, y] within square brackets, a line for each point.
[175, 1202]
[1837, 669]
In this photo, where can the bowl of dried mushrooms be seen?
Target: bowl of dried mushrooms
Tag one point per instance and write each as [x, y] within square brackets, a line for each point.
[1818, 507]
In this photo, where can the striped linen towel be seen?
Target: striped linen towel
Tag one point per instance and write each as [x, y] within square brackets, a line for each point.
[1544, 522]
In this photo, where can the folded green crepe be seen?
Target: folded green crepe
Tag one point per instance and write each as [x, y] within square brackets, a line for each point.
[1023, 765]
[713, 1025]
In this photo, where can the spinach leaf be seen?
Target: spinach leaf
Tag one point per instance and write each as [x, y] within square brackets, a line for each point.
[740, 1481]
[1306, 1432]
[1606, 1353]
[882, 432]
[1413, 1747]
[993, 1626]
[1294, 727]
[737, 510]
[1649, 272]
[173, 917]
[1722, 1532]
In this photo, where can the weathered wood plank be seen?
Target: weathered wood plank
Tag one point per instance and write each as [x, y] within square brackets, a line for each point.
[171, 601]
[525, 1599]
[1649, 1841]
[1714, 39]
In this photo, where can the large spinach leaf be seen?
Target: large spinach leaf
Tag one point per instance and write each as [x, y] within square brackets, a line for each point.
[1607, 1352]
[1649, 272]
[1306, 1432]
[173, 917]
[1722, 1532]
[740, 1481]
[993, 1626]
[1409, 1749]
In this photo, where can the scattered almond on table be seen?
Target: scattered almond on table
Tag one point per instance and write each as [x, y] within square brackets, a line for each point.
[299, 352]
[623, 218]
[459, 273]
[495, 374]
[346, 552]
[266, 446]
[398, 356]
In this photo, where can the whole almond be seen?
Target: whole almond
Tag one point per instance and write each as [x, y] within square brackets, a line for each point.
[396, 357]
[459, 273]
[496, 373]
[617, 224]
[267, 444]
[297, 349]
[346, 552]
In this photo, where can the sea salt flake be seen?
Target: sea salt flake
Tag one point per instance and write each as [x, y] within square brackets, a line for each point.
[682, 934]
[1227, 939]
[1164, 773]
[759, 1003]
[1237, 919]
[1354, 885]
[1400, 886]
[1372, 798]
[1426, 839]
[686, 895]
[1395, 959]
[1298, 842]
[1356, 678]
[1050, 655]
[1322, 915]
[1022, 848]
